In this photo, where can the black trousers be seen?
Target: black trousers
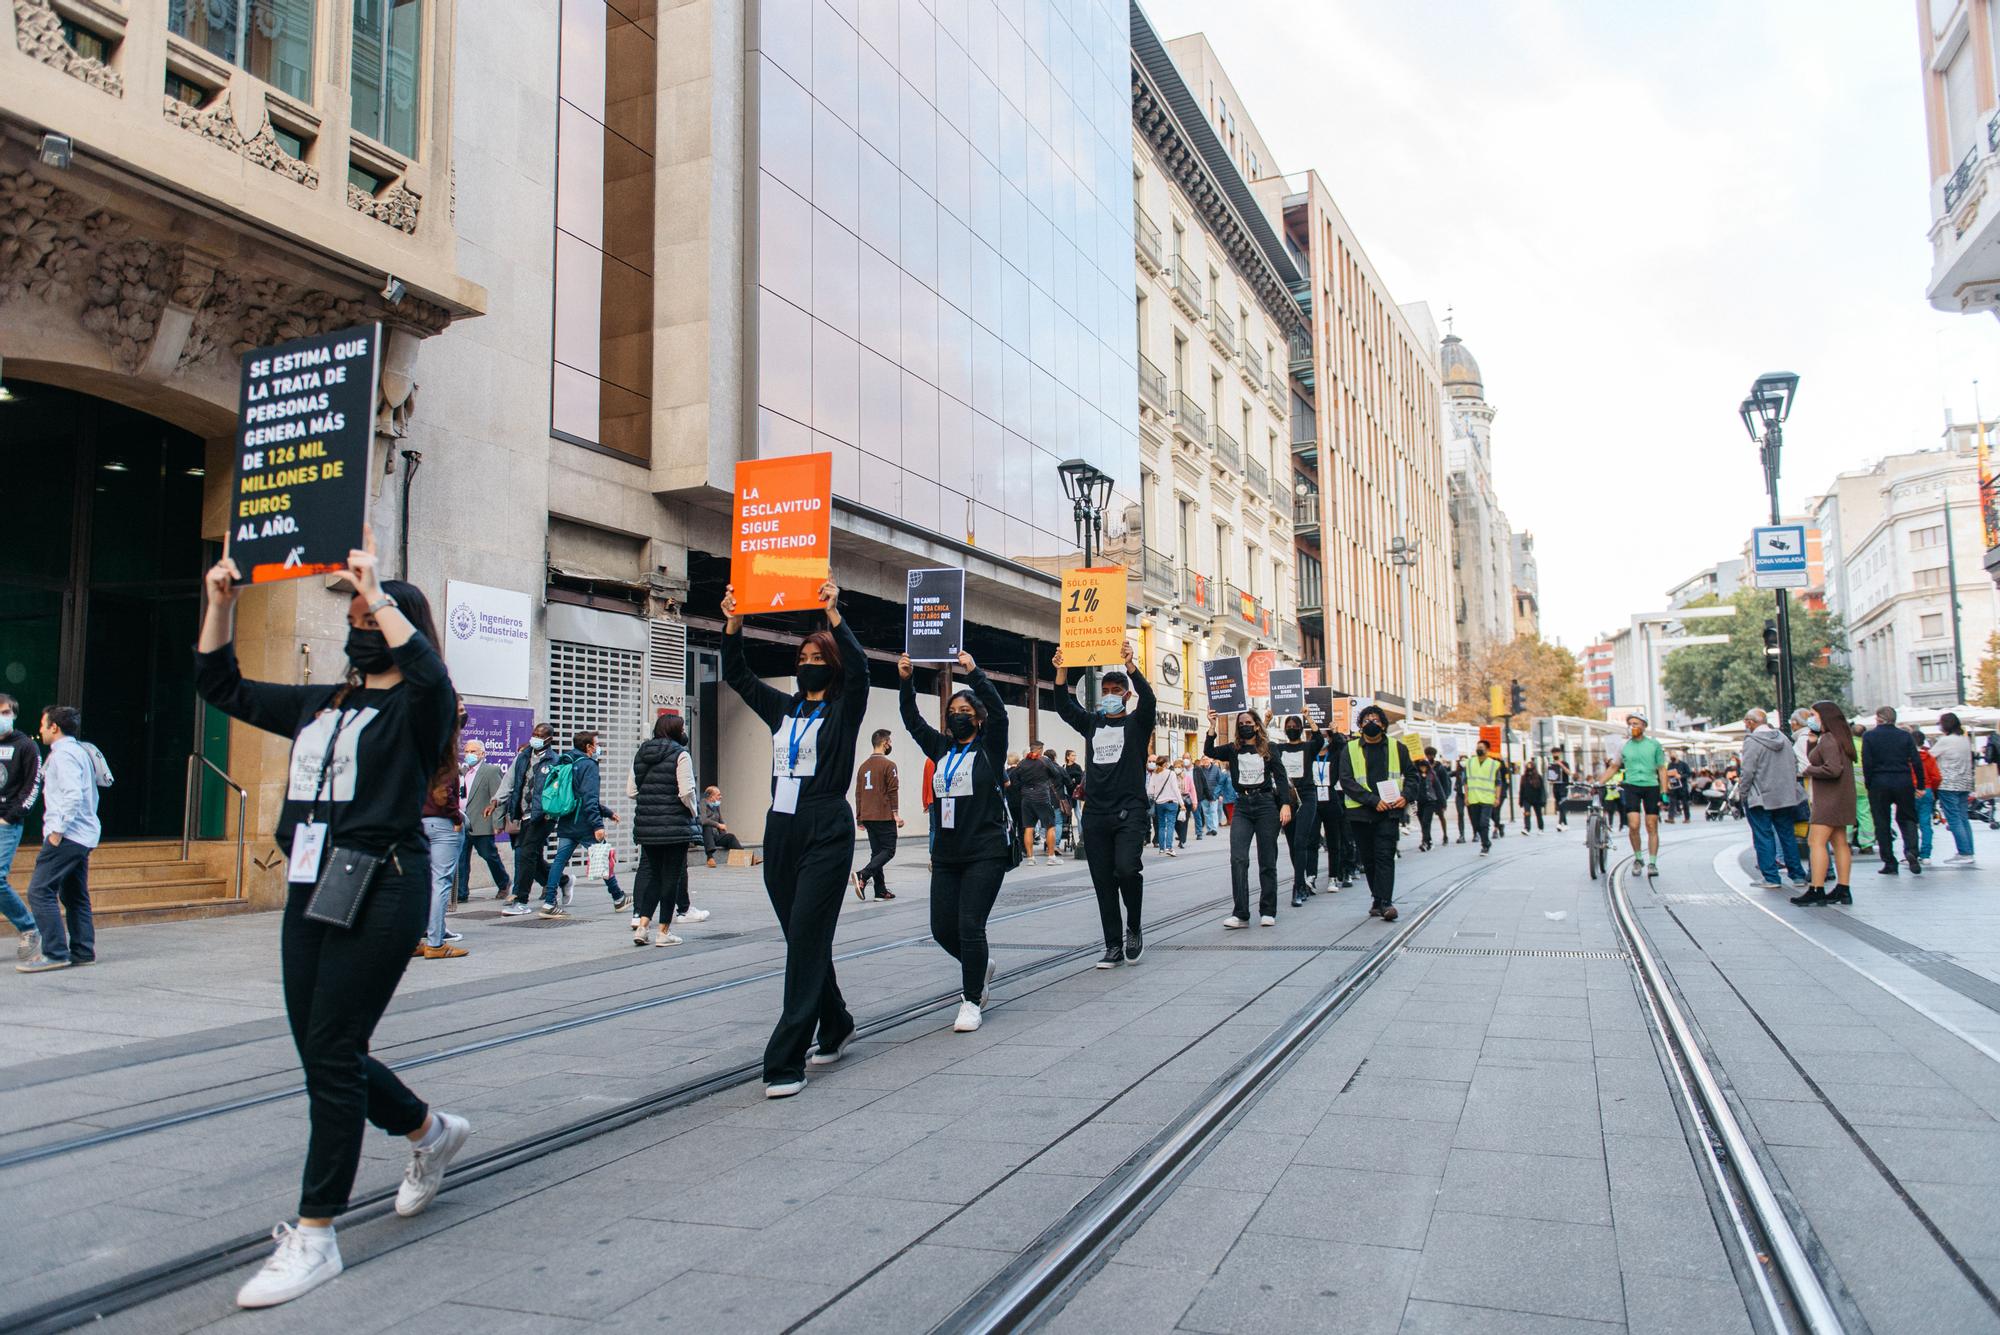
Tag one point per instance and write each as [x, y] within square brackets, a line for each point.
[881, 847]
[1375, 845]
[660, 890]
[711, 840]
[1426, 813]
[338, 981]
[1256, 819]
[1484, 822]
[1562, 816]
[806, 857]
[1334, 837]
[1303, 836]
[1461, 817]
[531, 866]
[962, 896]
[1531, 814]
[1903, 801]
[1112, 842]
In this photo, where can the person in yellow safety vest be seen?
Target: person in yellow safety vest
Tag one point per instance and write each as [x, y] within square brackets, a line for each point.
[1482, 795]
[1612, 792]
[1371, 787]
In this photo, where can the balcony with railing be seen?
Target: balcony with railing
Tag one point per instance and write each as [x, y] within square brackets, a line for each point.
[1242, 609]
[1260, 477]
[1302, 360]
[1965, 225]
[1221, 329]
[1189, 420]
[1275, 394]
[1305, 433]
[1253, 365]
[1146, 241]
[1200, 594]
[1305, 513]
[1153, 386]
[1227, 452]
[1187, 287]
[1160, 575]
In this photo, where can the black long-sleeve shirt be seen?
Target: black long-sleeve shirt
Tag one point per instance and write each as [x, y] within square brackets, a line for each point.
[388, 745]
[1375, 768]
[1114, 772]
[20, 774]
[979, 825]
[1307, 750]
[1251, 773]
[833, 736]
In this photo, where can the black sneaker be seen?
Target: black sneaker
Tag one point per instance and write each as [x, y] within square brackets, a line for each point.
[619, 901]
[1916, 867]
[1298, 901]
[1374, 910]
[1135, 945]
[884, 894]
[1888, 869]
[1113, 957]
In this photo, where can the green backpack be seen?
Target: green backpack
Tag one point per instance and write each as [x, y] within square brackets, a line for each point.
[559, 789]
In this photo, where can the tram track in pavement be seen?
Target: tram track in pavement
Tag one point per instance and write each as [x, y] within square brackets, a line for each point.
[162, 1279]
[763, 971]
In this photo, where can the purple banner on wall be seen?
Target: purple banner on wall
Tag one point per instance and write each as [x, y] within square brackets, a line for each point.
[504, 729]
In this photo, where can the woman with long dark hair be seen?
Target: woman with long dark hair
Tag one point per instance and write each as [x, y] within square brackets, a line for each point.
[1534, 797]
[809, 835]
[1264, 803]
[972, 835]
[444, 832]
[1830, 766]
[664, 825]
[363, 753]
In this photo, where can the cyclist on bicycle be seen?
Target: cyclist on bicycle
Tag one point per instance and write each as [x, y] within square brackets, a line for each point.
[1640, 762]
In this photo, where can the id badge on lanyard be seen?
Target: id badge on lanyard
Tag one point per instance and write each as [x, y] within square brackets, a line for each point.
[800, 760]
[947, 783]
[1322, 772]
[309, 835]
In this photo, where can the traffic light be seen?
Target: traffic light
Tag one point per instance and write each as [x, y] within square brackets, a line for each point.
[1517, 699]
[1771, 647]
[1496, 702]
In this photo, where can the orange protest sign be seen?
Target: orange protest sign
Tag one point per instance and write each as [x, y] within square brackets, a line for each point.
[783, 530]
[1257, 667]
[1491, 734]
[1093, 616]
[1343, 714]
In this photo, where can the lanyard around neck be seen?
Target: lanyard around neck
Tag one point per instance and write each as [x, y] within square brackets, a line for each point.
[954, 762]
[796, 735]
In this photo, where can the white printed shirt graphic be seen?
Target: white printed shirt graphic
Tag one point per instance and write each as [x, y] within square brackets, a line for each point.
[309, 753]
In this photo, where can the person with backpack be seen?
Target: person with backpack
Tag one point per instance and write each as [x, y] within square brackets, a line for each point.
[571, 794]
[527, 827]
[665, 826]
[972, 843]
[809, 834]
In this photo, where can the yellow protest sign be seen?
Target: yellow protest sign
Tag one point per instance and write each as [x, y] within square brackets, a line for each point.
[1093, 616]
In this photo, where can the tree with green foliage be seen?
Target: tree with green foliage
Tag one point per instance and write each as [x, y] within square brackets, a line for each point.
[1986, 687]
[1719, 682]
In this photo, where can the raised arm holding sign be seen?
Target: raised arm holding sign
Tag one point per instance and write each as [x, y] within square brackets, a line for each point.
[1093, 616]
[1226, 693]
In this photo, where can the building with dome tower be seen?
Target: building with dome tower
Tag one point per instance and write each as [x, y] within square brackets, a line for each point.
[1482, 552]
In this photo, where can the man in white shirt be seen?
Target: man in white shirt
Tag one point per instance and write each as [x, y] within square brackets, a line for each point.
[59, 893]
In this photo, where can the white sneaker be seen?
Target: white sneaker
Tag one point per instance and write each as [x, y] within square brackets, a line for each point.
[28, 945]
[663, 937]
[968, 1018]
[517, 910]
[784, 1089]
[1232, 922]
[425, 1173]
[301, 1264]
[819, 1058]
[1267, 921]
[692, 915]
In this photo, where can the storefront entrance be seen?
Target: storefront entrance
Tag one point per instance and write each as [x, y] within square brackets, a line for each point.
[100, 565]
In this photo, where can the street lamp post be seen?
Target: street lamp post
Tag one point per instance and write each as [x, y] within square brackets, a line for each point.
[1403, 555]
[1089, 490]
[1769, 404]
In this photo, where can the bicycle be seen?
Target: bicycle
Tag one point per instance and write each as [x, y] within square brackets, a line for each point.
[1596, 831]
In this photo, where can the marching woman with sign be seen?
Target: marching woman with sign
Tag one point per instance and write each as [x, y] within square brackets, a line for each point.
[363, 754]
[972, 837]
[1264, 803]
[1115, 808]
[809, 835]
[1299, 753]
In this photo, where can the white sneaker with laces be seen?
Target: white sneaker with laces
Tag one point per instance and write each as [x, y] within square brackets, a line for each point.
[425, 1173]
[692, 915]
[663, 937]
[517, 911]
[301, 1264]
[1232, 922]
[1267, 921]
[968, 1018]
[784, 1089]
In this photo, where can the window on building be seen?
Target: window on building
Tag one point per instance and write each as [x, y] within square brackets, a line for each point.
[387, 77]
[1180, 239]
[1961, 101]
[1139, 313]
[1186, 530]
[1929, 579]
[1310, 578]
[1933, 669]
[1921, 538]
[1180, 361]
[603, 375]
[1222, 562]
[1931, 625]
[1253, 556]
[272, 39]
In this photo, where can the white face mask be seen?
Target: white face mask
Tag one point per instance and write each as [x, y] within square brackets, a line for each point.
[537, 743]
[6, 723]
[472, 757]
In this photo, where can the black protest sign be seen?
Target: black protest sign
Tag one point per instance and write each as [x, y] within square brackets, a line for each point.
[1288, 691]
[934, 630]
[307, 421]
[1228, 693]
[1319, 706]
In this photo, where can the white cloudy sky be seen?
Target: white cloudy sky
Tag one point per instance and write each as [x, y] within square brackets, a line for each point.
[1634, 210]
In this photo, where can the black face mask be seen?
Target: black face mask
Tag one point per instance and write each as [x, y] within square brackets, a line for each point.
[1245, 733]
[961, 726]
[1294, 731]
[368, 650]
[1371, 730]
[815, 676]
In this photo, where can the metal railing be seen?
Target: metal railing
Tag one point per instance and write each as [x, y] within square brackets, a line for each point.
[196, 764]
[1159, 574]
[1259, 477]
[1146, 240]
[1274, 390]
[1305, 425]
[1993, 133]
[1153, 384]
[1187, 285]
[1221, 327]
[1189, 416]
[1255, 359]
[1234, 602]
[1226, 449]
[1961, 180]
[1200, 594]
[1302, 354]
[1305, 510]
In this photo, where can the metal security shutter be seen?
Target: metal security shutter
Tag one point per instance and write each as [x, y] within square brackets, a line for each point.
[603, 690]
[666, 667]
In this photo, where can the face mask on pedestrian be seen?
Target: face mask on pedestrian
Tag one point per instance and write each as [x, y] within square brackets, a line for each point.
[961, 726]
[1246, 732]
[815, 676]
[1812, 722]
[471, 756]
[6, 724]
[1372, 729]
[537, 743]
[1295, 730]
[368, 651]
[1111, 704]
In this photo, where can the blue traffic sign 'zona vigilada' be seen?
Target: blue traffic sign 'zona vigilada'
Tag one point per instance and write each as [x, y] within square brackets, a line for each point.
[1778, 556]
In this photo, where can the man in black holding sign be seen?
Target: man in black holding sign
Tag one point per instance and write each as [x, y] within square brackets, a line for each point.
[1114, 791]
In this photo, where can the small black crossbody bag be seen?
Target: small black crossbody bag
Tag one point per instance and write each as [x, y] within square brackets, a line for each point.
[346, 874]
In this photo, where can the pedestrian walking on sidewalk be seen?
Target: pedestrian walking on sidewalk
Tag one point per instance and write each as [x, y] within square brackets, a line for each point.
[1163, 790]
[1298, 754]
[1534, 798]
[877, 795]
[1952, 750]
[1458, 795]
[363, 753]
[973, 844]
[574, 795]
[1115, 807]
[20, 785]
[480, 798]
[1892, 774]
[444, 832]
[1830, 765]
[1333, 835]
[1558, 775]
[1429, 791]
[1371, 785]
[809, 834]
[1768, 782]
[1041, 782]
[59, 891]
[665, 827]
[527, 825]
[1264, 805]
[1926, 795]
[1482, 795]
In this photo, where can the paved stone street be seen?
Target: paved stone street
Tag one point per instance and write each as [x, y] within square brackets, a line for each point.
[1485, 1140]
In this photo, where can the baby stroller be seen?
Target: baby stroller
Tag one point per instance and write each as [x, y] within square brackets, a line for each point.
[1717, 795]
